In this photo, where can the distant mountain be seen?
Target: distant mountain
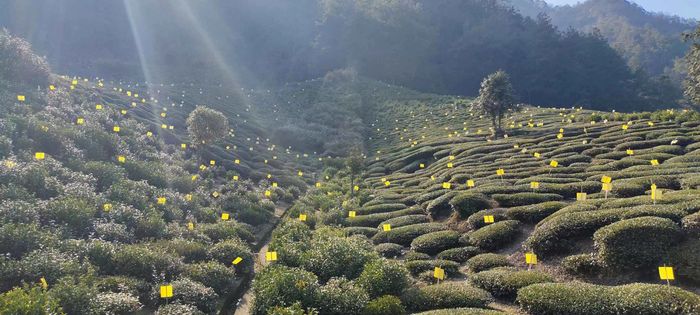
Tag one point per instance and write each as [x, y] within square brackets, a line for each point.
[647, 40]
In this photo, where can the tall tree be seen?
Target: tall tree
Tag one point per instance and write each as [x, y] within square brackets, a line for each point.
[354, 162]
[692, 59]
[495, 99]
[206, 126]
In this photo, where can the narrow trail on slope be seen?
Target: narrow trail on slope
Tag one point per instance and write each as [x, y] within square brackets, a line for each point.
[240, 303]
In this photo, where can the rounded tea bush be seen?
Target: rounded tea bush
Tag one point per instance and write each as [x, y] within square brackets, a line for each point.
[418, 266]
[459, 254]
[487, 261]
[278, 285]
[534, 213]
[686, 260]
[589, 299]
[445, 295]
[382, 277]
[495, 235]
[524, 198]
[462, 311]
[468, 203]
[385, 305]
[506, 281]
[636, 243]
[433, 243]
[404, 235]
[340, 296]
[389, 250]
[582, 264]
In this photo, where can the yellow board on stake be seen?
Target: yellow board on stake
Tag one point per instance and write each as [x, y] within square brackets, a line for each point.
[39, 155]
[190, 226]
[607, 186]
[553, 163]
[107, 207]
[237, 260]
[302, 217]
[421, 165]
[630, 152]
[654, 162]
[605, 179]
[446, 185]
[21, 98]
[352, 214]
[489, 219]
[534, 185]
[470, 183]
[536, 154]
[271, 256]
[386, 227]
[581, 196]
[530, 259]
[268, 193]
[225, 216]
[80, 121]
[387, 183]
[356, 188]
[116, 129]
[439, 273]
[44, 284]
[121, 159]
[161, 200]
[166, 291]
[183, 146]
[666, 273]
[500, 172]
[188, 197]
[212, 162]
[449, 165]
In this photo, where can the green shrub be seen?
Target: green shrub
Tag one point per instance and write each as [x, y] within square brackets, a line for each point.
[476, 220]
[50, 264]
[524, 198]
[559, 233]
[278, 285]
[418, 266]
[405, 234]
[635, 243]
[20, 64]
[534, 213]
[18, 239]
[178, 309]
[120, 284]
[215, 275]
[140, 262]
[360, 230]
[77, 213]
[582, 298]
[462, 311]
[116, 303]
[691, 224]
[381, 277]
[186, 291]
[412, 255]
[226, 230]
[372, 220]
[495, 235]
[340, 296]
[389, 250]
[445, 295]
[505, 282]
[460, 254]
[405, 220]
[382, 208]
[152, 172]
[487, 261]
[29, 301]
[75, 297]
[468, 203]
[334, 256]
[226, 251]
[105, 173]
[435, 242]
[385, 305]
[582, 264]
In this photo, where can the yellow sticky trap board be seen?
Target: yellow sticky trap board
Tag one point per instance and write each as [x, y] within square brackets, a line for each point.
[654, 162]
[651, 124]
[387, 183]
[149, 134]
[212, 162]
[356, 188]
[536, 154]
[451, 157]
[163, 126]
[80, 121]
[107, 207]
[74, 82]
[439, 273]
[666, 273]
[607, 186]
[123, 111]
[237, 260]
[116, 129]
[268, 193]
[581, 196]
[166, 291]
[302, 217]
[235, 177]
[630, 152]
[98, 106]
[500, 172]
[421, 165]
[52, 87]
[530, 258]
[560, 135]
[488, 219]
[449, 165]
[183, 146]
[237, 161]
[224, 216]
[274, 184]
[470, 183]
[386, 227]
[161, 200]
[215, 194]
[190, 226]
[21, 98]
[553, 163]
[44, 284]
[121, 159]
[271, 256]
[446, 185]
[188, 197]
[655, 193]
[300, 173]
[39, 155]
[625, 127]
[352, 214]
[318, 185]
[606, 179]
[534, 185]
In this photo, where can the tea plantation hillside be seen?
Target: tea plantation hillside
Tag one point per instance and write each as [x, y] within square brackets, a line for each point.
[572, 212]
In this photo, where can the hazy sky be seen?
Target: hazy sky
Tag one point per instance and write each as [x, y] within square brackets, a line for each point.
[684, 8]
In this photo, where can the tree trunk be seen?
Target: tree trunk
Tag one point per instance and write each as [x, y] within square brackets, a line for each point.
[352, 185]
